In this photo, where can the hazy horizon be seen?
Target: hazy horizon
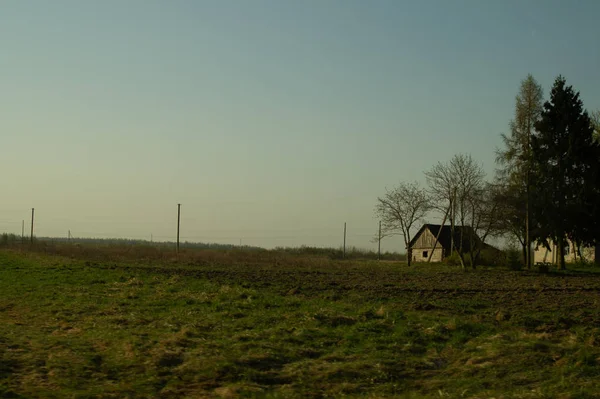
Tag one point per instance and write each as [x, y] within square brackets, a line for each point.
[270, 122]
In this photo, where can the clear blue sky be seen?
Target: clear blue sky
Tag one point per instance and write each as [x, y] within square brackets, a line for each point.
[271, 121]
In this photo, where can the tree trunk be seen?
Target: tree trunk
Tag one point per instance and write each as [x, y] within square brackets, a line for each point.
[527, 234]
[451, 227]
[478, 253]
[524, 253]
[462, 261]
[437, 237]
[462, 227]
[471, 250]
[408, 255]
[561, 252]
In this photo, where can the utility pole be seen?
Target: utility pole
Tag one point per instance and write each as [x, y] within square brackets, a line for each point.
[344, 253]
[32, 214]
[379, 243]
[178, 220]
[69, 236]
[452, 216]
[527, 237]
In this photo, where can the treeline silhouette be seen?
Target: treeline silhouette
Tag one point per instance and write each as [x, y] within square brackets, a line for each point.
[135, 249]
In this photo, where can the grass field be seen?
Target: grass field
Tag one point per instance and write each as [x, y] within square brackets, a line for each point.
[81, 327]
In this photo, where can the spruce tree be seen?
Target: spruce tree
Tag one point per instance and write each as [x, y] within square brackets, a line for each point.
[564, 172]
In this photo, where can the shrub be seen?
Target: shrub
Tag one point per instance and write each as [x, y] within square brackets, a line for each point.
[583, 264]
[543, 267]
[492, 257]
[513, 258]
[454, 259]
[9, 239]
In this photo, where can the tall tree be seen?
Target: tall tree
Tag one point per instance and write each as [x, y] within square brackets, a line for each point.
[510, 199]
[565, 160]
[457, 186]
[515, 158]
[595, 117]
[592, 212]
[399, 209]
[443, 188]
[486, 218]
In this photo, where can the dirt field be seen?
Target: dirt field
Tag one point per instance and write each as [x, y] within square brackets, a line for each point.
[77, 328]
[420, 287]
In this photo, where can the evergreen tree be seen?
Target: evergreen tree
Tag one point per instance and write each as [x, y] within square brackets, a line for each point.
[515, 161]
[565, 159]
[595, 116]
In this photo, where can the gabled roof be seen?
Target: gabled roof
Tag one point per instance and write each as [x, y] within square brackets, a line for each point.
[445, 235]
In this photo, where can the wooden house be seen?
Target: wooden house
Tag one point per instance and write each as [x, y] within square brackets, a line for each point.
[422, 245]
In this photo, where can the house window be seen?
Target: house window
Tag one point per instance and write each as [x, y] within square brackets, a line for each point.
[424, 254]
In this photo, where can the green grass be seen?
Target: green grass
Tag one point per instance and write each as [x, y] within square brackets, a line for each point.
[76, 329]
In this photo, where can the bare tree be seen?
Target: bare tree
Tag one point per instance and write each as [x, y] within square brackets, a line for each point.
[442, 190]
[457, 185]
[399, 209]
[470, 186]
[511, 212]
[486, 218]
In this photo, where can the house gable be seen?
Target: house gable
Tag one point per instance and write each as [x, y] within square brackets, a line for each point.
[424, 240]
[422, 245]
[426, 237]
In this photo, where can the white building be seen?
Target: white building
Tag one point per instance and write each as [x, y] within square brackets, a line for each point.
[545, 255]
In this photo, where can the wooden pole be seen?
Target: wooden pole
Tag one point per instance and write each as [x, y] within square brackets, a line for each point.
[178, 223]
[527, 215]
[344, 253]
[32, 214]
[452, 217]
[379, 243]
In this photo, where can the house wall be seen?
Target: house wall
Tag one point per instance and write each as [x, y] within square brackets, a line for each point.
[422, 254]
[424, 245]
[543, 255]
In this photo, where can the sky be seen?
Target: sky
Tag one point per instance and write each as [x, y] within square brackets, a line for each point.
[272, 122]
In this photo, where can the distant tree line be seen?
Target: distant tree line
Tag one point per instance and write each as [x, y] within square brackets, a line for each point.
[12, 240]
[546, 188]
[132, 241]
